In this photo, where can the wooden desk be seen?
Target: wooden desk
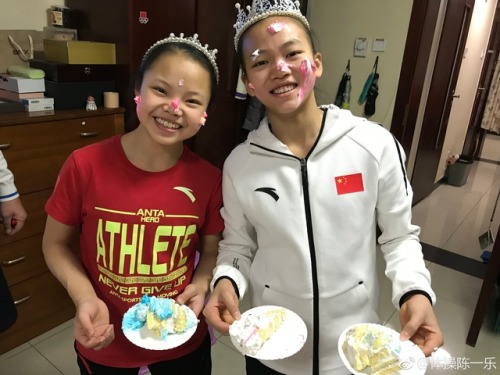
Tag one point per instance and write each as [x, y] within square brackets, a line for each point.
[485, 294]
[35, 146]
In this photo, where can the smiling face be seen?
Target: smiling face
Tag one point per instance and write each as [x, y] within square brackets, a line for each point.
[281, 67]
[175, 92]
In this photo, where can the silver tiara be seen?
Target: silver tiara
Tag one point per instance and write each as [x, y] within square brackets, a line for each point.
[261, 9]
[192, 41]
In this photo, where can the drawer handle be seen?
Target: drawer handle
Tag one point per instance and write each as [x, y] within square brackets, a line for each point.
[14, 261]
[22, 300]
[5, 146]
[89, 134]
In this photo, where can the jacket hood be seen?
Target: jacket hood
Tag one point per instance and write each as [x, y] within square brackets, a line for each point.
[335, 124]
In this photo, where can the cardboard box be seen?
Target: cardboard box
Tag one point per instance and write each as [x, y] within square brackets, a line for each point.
[15, 96]
[21, 85]
[79, 52]
[36, 108]
[73, 95]
[38, 101]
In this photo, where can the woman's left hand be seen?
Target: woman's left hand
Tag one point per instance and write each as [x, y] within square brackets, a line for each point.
[419, 324]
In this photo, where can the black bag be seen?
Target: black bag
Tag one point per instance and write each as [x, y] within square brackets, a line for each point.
[8, 312]
[371, 96]
[346, 77]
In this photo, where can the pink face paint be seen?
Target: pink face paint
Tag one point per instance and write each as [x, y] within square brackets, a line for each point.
[181, 82]
[174, 105]
[283, 67]
[307, 70]
[276, 27]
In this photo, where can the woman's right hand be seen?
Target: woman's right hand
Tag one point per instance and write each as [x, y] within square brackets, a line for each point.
[222, 309]
[91, 327]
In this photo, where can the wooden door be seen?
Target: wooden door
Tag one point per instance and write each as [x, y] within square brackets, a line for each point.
[441, 94]
[423, 20]
[475, 135]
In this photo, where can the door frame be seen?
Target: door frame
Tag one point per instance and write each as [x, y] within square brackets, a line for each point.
[474, 139]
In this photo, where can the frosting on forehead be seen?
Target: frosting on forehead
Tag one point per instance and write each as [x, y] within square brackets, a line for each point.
[277, 26]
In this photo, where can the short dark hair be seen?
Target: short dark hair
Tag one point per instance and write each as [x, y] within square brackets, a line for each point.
[178, 48]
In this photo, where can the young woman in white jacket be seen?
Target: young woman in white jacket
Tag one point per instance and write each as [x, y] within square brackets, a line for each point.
[303, 197]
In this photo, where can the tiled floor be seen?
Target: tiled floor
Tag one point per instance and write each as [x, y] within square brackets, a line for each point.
[451, 218]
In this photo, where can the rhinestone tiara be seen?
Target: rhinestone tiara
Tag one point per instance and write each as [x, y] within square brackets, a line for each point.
[192, 41]
[261, 9]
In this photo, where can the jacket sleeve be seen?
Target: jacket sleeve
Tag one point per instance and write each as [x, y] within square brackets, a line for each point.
[8, 190]
[239, 242]
[399, 238]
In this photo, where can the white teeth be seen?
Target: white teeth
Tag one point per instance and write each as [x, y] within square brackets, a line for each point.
[283, 89]
[167, 124]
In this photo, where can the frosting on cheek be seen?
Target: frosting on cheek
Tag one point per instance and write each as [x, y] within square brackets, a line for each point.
[306, 70]
[138, 101]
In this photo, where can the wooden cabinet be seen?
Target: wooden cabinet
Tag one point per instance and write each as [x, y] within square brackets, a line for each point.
[35, 148]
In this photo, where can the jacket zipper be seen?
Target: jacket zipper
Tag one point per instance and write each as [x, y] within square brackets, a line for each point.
[312, 252]
[314, 269]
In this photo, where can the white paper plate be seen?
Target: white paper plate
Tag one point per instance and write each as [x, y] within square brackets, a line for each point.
[286, 341]
[147, 339]
[412, 358]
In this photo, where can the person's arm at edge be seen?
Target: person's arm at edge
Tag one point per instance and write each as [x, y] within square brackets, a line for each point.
[200, 284]
[68, 270]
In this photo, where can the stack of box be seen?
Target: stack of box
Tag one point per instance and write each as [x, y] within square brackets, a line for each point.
[14, 90]
[75, 70]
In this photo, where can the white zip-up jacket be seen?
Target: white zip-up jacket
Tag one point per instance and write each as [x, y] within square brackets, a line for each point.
[8, 190]
[301, 233]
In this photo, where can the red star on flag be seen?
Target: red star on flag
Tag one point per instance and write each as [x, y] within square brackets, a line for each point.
[351, 183]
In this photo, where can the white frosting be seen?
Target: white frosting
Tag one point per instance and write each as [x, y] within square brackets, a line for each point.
[254, 330]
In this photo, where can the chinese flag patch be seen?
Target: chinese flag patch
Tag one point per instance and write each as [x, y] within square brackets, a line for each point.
[351, 183]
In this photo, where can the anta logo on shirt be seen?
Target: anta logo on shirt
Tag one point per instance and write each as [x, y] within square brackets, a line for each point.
[351, 183]
[270, 191]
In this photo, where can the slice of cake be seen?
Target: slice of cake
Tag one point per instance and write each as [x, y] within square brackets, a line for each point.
[372, 350]
[253, 331]
[163, 316]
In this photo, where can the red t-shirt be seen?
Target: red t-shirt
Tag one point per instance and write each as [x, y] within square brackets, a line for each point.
[139, 233]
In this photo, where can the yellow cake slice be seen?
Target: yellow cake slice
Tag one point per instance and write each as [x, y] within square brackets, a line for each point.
[253, 331]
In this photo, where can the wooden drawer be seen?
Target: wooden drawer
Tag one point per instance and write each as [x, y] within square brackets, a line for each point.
[36, 152]
[42, 304]
[34, 204]
[22, 260]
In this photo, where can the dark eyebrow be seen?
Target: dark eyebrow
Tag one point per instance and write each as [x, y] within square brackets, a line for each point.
[291, 42]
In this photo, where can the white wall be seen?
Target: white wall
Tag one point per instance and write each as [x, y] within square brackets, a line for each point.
[336, 24]
[25, 14]
[468, 80]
